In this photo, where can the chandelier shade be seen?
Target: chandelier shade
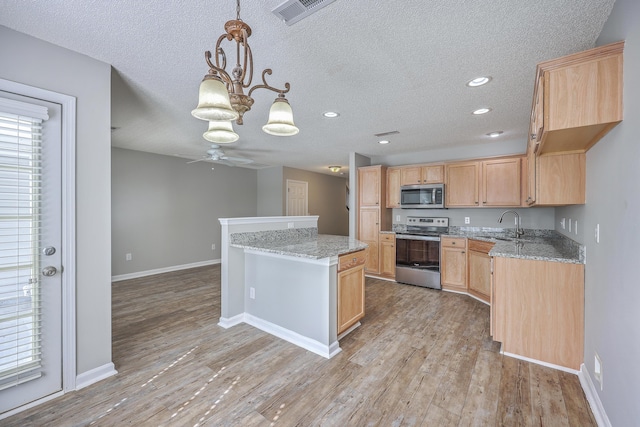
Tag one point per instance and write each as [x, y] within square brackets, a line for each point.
[220, 132]
[280, 119]
[213, 101]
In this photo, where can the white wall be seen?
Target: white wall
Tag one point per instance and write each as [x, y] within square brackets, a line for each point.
[165, 212]
[612, 291]
[30, 61]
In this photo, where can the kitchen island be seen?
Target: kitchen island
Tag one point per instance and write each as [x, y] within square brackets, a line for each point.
[281, 276]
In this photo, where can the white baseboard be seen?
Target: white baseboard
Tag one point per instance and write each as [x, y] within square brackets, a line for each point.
[327, 351]
[539, 362]
[139, 274]
[231, 321]
[93, 376]
[593, 398]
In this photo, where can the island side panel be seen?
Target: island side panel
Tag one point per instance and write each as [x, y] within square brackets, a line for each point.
[296, 294]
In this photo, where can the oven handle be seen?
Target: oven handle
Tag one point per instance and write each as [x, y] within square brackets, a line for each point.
[414, 237]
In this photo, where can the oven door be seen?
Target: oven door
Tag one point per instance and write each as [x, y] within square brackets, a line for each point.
[418, 261]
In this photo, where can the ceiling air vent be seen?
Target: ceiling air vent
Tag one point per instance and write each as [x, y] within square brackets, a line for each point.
[292, 11]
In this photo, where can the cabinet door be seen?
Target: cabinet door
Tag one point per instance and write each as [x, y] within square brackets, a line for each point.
[350, 297]
[462, 184]
[369, 186]
[411, 175]
[387, 255]
[393, 188]
[433, 174]
[369, 224]
[453, 265]
[480, 275]
[560, 179]
[372, 264]
[501, 182]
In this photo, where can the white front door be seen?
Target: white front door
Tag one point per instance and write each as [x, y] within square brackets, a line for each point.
[30, 253]
[297, 198]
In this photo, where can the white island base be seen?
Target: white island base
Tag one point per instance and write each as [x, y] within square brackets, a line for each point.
[286, 288]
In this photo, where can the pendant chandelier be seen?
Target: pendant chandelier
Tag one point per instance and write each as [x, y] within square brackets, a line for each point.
[222, 98]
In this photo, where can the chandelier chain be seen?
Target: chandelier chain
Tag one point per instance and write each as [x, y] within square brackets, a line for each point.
[238, 10]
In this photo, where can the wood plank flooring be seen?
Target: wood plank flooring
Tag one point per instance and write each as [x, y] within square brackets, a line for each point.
[420, 358]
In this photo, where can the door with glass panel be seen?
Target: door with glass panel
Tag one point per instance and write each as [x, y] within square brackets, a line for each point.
[30, 250]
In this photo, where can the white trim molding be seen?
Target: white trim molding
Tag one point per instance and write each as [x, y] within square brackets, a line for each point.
[540, 362]
[145, 273]
[593, 398]
[94, 375]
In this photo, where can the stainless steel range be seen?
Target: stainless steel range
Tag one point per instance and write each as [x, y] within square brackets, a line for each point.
[418, 251]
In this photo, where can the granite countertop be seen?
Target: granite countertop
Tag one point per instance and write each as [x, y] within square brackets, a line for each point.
[543, 245]
[300, 242]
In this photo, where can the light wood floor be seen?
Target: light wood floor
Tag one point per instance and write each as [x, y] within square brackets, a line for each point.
[420, 358]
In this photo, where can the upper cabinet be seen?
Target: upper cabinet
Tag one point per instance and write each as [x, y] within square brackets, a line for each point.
[393, 187]
[422, 174]
[490, 183]
[370, 190]
[577, 100]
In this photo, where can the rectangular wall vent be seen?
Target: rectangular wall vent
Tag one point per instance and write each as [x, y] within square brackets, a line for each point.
[292, 11]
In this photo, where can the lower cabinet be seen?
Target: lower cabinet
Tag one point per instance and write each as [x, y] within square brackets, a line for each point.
[453, 263]
[388, 255]
[479, 265]
[538, 310]
[350, 289]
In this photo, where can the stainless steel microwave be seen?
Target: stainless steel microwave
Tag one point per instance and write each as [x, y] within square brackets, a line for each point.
[427, 196]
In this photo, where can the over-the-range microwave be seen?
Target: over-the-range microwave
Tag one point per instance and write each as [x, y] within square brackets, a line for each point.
[424, 196]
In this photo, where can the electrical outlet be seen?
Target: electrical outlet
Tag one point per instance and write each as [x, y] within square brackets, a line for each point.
[128, 257]
[290, 224]
[213, 246]
[467, 220]
[562, 223]
[598, 369]
[597, 233]
[398, 218]
[252, 293]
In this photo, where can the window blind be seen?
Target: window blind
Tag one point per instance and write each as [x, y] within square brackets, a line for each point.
[20, 215]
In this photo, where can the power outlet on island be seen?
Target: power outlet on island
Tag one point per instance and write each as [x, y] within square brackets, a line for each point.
[128, 257]
[467, 220]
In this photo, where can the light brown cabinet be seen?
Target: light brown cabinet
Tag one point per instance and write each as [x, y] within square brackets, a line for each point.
[501, 182]
[484, 183]
[538, 310]
[479, 265]
[453, 263]
[387, 255]
[577, 99]
[350, 289]
[393, 187]
[422, 174]
[372, 217]
[461, 187]
[556, 179]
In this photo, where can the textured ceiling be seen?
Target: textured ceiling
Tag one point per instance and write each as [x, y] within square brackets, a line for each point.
[383, 65]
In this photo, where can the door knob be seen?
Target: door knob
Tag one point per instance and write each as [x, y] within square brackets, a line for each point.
[49, 271]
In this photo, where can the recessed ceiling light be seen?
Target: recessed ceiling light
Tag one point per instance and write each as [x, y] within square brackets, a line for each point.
[479, 81]
[383, 141]
[495, 134]
[330, 114]
[481, 111]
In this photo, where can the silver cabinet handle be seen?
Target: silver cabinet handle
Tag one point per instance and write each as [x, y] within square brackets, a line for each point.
[49, 271]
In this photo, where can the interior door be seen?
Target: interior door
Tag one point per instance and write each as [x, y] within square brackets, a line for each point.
[30, 254]
[297, 198]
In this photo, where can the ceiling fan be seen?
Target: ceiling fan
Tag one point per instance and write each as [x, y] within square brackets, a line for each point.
[216, 155]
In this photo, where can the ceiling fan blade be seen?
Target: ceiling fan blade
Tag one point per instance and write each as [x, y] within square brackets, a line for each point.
[225, 162]
[242, 160]
[199, 160]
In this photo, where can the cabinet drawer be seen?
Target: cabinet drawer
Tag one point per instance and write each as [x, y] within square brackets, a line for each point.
[480, 246]
[351, 260]
[386, 237]
[453, 242]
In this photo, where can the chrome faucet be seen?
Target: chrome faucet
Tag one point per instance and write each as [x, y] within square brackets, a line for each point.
[519, 230]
